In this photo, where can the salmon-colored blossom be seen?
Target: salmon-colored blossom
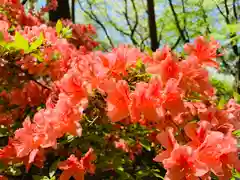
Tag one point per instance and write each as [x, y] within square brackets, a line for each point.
[73, 167]
[204, 51]
[144, 102]
[215, 150]
[167, 68]
[118, 100]
[183, 164]
[167, 140]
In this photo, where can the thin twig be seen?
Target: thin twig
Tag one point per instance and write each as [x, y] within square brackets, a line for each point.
[30, 77]
[160, 33]
[181, 32]
[221, 12]
[226, 8]
[136, 17]
[176, 43]
[132, 29]
[184, 18]
[205, 17]
[95, 18]
[235, 10]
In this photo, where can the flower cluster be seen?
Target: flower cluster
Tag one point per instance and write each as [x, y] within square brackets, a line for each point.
[66, 96]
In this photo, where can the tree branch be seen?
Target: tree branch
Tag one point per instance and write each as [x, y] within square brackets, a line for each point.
[132, 29]
[119, 29]
[30, 77]
[132, 26]
[221, 12]
[181, 32]
[136, 17]
[160, 34]
[228, 67]
[205, 17]
[94, 18]
[226, 8]
[184, 19]
[176, 43]
[126, 15]
[235, 10]
[142, 46]
[232, 35]
[234, 46]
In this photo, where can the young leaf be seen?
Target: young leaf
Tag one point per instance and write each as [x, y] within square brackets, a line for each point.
[53, 168]
[2, 166]
[1, 36]
[13, 171]
[221, 102]
[233, 28]
[38, 56]
[145, 144]
[3, 131]
[59, 26]
[140, 174]
[148, 50]
[236, 133]
[235, 174]
[36, 177]
[67, 33]
[158, 175]
[37, 43]
[20, 42]
[236, 96]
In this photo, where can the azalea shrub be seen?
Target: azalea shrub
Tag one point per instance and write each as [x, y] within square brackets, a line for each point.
[70, 110]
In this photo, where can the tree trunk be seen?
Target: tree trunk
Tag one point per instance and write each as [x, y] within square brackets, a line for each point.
[73, 11]
[62, 11]
[152, 24]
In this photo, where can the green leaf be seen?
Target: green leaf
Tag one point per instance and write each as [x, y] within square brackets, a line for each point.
[142, 173]
[53, 168]
[236, 133]
[235, 174]
[68, 139]
[38, 56]
[59, 26]
[146, 144]
[13, 171]
[3, 131]
[1, 36]
[37, 43]
[20, 42]
[218, 36]
[2, 166]
[233, 28]
[55, 56]
[149, 50]
[120, 169]
[36, 177]
[139, 64]
[236, 96]
[67, 33]
[124, 175]
[221, 102]
[158, 175]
